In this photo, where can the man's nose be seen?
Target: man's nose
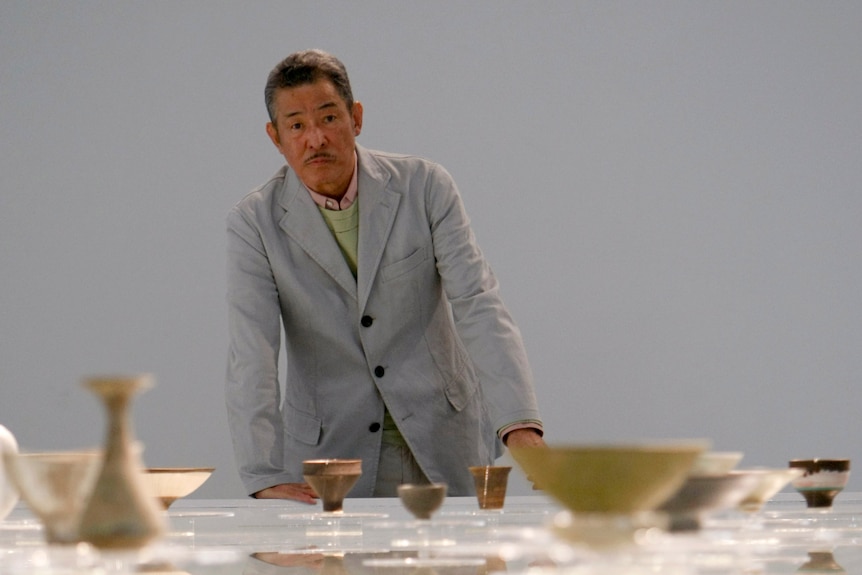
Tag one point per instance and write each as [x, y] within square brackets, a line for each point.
[315, 137]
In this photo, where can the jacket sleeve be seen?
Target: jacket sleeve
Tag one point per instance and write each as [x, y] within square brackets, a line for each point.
[252, 393]
[482, 321]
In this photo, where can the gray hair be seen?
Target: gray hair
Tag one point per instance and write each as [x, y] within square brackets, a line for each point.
[307, 67]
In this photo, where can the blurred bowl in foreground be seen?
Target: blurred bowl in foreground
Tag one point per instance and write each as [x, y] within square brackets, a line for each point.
[171, 483]
[56, 487]
[621, 479]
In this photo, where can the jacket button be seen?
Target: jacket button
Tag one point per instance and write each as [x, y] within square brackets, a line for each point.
[366, 321]
[374, 427]
[379, 371]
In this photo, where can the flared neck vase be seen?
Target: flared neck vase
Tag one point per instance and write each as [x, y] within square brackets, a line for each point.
[121, 513]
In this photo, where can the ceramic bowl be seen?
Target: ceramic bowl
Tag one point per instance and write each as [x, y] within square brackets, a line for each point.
[168, 484]
[702, 494]
[332, 479]
[769, 482]
[422, 500]
[621, 479]
[56, 487]
[822, 480]
[716, 462]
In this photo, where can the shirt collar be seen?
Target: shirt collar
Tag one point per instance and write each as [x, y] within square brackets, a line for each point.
[346, 200]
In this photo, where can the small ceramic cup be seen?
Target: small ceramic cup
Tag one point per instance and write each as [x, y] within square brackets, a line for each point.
[422, 500]
[332, 479]
[491, 481]
[822, 481]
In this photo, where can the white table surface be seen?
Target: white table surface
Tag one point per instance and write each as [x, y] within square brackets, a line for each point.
[379, 537]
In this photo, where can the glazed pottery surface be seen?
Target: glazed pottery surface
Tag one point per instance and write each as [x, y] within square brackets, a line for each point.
[8, 493]
[332, 479]
[707, 493]
[822, 481]
[624, 478]
[422, 500]
[55, 486]
[490, 482]
[168, 484]
[769, 482]
[121, 512]
[716, 462]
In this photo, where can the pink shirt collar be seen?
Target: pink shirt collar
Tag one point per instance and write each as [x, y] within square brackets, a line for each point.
[346, 200]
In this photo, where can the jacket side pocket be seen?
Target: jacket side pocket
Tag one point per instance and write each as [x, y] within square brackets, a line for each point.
[301, 426]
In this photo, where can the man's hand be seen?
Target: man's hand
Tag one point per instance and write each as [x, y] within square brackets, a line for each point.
[301, 492]
[524, 438]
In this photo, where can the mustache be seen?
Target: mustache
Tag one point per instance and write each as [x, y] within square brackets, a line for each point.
[318, 156]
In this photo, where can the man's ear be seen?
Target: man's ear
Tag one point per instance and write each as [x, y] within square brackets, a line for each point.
[357, 118]
[272, 132]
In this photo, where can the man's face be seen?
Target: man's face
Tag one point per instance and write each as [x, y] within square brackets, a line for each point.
[316, 133]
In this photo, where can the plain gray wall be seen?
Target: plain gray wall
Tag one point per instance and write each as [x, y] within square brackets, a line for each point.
[670, 194]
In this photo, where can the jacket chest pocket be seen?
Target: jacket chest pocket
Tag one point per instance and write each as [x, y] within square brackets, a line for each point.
[404, 265]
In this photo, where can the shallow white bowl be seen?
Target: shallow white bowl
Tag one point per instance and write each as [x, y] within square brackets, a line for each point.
[769, 482]
[171, 483]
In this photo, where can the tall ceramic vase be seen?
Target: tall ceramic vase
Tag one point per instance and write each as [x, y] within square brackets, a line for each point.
[121, 513]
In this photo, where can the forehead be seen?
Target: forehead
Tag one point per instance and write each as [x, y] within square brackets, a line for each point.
[307, 98]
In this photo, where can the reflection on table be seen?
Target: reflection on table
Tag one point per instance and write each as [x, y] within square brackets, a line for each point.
[379, 537]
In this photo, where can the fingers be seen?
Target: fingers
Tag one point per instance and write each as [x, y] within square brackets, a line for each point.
[301, 492]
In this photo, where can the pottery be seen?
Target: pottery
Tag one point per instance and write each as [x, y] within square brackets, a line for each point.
[822, 481]
[168, 484]
[121, 513]
[821, 562]
[422, 500]
[490, 482]
[8, 493]
[716, 462]
[55, 486]
[702, 494]
[769, 482]
[332, 479]
[622, 478]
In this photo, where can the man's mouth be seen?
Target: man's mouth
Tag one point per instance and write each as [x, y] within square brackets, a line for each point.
[319, 158]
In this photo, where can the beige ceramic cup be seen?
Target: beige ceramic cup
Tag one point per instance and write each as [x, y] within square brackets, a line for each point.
[491, 481]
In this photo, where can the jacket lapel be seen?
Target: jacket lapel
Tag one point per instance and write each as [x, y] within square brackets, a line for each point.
[377, 208]
[303, 223]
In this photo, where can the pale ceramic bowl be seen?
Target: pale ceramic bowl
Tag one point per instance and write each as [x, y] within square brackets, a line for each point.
[622, 479]
[769, 482]
[716, 462]
[56, 488]
[168, 484]
[702, 494]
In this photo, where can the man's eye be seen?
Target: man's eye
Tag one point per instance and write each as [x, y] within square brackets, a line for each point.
[296, 126]
[329, 119]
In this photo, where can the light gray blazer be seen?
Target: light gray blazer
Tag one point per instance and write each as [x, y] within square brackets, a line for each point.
[422, 327]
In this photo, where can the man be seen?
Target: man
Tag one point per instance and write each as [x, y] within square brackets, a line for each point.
[399, 351]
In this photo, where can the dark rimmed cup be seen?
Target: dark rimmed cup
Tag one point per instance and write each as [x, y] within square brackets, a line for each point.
[823, 480]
